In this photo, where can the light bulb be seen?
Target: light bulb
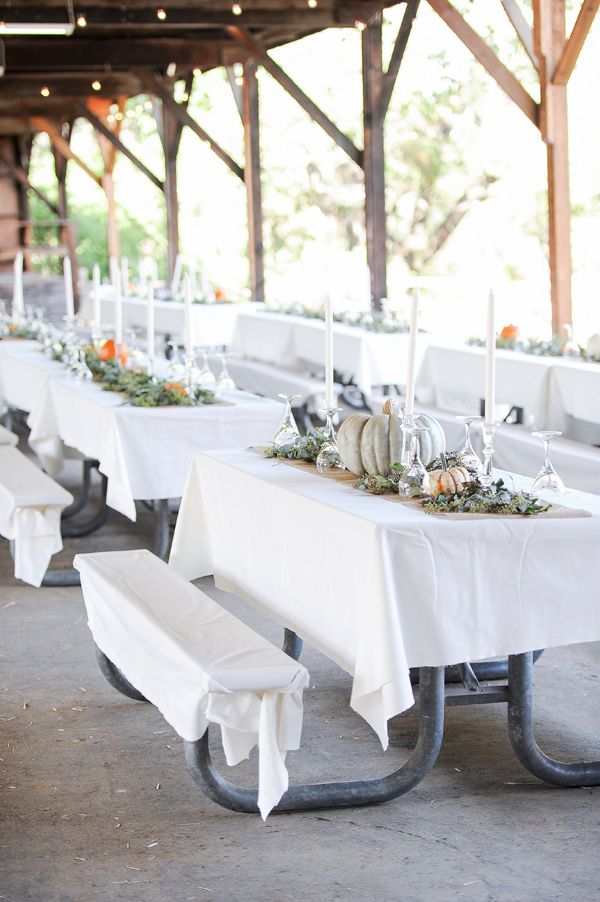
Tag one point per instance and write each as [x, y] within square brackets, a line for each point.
[312, 4]
[197, 71]
[81, 20]
[161, 14]
[236, 9]
[360, 25]
[96, 85]
[45, 92]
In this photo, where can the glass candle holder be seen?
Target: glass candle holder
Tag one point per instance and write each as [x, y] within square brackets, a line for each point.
[329, 456]
[414, 479]
[487, 474]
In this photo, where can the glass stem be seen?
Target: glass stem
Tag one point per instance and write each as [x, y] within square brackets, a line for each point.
[547, 464]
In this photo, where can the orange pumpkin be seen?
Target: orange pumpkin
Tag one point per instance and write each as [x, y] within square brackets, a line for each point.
[109, 348]
[510, 333]
[176, 387]
[220, 295]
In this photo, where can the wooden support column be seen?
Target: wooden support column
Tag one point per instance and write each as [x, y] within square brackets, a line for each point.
[549, 43]
[171, 133]
[67, 235]
[374, 159]
[22, 155]
[250, 116]
[9, 202]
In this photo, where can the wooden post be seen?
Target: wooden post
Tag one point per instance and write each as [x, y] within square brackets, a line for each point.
[549, 42]
[67, 236]
[171, 132]
[252, 179]
[22, 154]
[374, 159]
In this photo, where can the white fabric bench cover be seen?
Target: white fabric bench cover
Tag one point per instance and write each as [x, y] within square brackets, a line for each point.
[270, 381]
[7, 437]
[30, 507]
[195, 662]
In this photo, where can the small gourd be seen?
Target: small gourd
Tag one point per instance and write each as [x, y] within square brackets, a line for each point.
[447, 480]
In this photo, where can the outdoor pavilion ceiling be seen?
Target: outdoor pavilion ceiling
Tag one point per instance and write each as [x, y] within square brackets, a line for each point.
[117, 45]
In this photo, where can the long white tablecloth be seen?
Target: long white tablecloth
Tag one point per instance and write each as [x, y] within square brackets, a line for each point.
[145, 453]
[380, 587]
[212, 324]
[370, 358]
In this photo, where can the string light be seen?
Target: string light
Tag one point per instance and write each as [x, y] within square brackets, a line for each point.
[161, 14]
[185, 97]
[360, 25]
[110, 118]
[45, 92]
[312, 4]
[96, 85]
[81, 20]
[114, 108]
[171, 69]
[236, 9]
[197, 71]
[119, 116]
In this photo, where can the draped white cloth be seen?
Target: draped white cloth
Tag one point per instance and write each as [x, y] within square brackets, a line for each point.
[380, 587]
[195, 661]
[370, 358]
[7, 437]
[30, 509]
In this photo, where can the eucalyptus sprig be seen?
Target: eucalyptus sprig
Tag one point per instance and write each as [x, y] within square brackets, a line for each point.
[303, 447]
[371, 320]
[498, 500]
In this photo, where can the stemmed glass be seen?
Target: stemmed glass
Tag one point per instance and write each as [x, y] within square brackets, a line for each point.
[547, 479]
[225, 382]
[414, 479]
[486, 476]
[206, 378]
[329, 456]
[467, 455]
[288, 430]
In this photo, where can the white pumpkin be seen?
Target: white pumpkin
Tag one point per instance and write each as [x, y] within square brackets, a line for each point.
[371, 444]
[450, 481]
[593, 346]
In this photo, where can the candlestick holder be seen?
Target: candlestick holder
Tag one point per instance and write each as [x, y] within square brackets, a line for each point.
[150, 366]
[486, 475]
[414, 479]
[408, 424]
[189, 374]
[329, 456]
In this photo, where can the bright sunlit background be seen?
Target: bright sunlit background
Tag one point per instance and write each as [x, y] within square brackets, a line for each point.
[466, 183]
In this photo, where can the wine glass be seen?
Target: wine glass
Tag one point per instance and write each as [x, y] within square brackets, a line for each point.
[467, 455]
[206, 378]
[288, 430]
[414, 479]
[547, 479]
[329, 456]
[225, 382]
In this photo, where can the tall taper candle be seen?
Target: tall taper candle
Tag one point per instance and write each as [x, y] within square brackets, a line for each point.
[187, 325]
[150, 323]
[118, 308]
[124, 275]
[97, 308]
[17, 304]
[329, 399]
[176, 280]
[411, 369]
[490, 360]
[142, 277]
[68, 279]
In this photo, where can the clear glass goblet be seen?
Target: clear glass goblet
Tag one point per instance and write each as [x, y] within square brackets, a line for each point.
[288, 431]
[414, 479]
[206, 377]
[467, 456]
[329, 457]
[547, 479]
[225, 382]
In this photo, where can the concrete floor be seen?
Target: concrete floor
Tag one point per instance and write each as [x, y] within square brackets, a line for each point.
[96, 802]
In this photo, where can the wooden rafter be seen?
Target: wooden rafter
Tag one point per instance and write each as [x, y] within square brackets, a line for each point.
[309, 106]
[521, 27]
[488, 59]
[157, 87]
[110, 136]
[573, 46]
[41, 124]
[19, 175]
[389, 79]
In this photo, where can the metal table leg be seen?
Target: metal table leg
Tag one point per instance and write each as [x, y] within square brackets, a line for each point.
[116, 679]
[86, 486]
[339, 794]
[162, 534]
[520, 731]
[86, 527]
[292, 644]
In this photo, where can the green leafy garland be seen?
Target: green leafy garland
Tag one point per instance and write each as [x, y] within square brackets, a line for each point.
[141, 389]
[371, 320]
[537, 347]
[304, 447]
[499, 500]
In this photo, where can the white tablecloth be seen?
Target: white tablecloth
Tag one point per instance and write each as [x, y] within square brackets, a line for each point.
[379, 586]
[7, 437]
[212, 324]
[23, 372]
[575, 394]
[370, 358]
[30, 509]
[195, 661]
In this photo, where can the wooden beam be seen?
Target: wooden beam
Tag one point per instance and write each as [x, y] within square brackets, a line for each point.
[25, 54]
[260, 54]
[19, 175]
[389, 79]
[549, 38]
[572, 48]
[374, 159]
[236, 90]
[252, 178]
[488, 59]
[41, 124]
[521, 27]
[157, 87]
[108, 133]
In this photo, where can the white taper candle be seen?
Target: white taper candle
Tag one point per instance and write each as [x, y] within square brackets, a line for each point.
[124, 275]
[329, 399]
[68, 280]
[411, 361]
[118, 308]
[176, 280]
[490, 360]
[187, 323]
[97, 305]
[150, 322]
[17, 304]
